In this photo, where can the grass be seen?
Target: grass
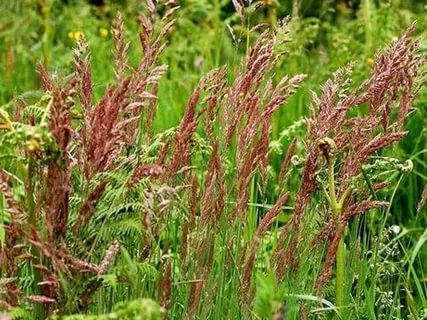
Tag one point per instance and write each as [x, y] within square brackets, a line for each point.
[210, 192]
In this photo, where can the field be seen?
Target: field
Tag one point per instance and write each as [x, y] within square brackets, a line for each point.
[213, 159]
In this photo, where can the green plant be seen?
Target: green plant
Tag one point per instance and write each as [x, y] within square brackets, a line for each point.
[213, 218]
[143, 309]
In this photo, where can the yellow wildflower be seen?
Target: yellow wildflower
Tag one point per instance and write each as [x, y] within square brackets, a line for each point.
[370, 62]
[103, 32]
[76, 35]
[5, 122]
[33, 145]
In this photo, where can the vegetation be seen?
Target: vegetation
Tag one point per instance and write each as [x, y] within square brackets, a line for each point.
[218, 161]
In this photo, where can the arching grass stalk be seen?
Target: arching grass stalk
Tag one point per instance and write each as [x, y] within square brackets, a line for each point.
[328, 148]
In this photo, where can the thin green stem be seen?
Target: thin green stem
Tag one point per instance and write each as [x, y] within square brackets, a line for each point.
[346, 194]
[47, 32]
[337, 211]
[332, 194]
[340, 260]
[272, 14]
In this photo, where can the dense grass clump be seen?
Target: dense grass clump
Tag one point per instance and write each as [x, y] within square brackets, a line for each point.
[260, 201]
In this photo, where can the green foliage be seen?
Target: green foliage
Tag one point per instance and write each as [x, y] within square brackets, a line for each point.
[142, 309]
[386, 269]
[269, 297]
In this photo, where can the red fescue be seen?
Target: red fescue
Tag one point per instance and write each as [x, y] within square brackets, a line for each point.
[106, 129]
[244, 111]
[391, 86]
[236, 118]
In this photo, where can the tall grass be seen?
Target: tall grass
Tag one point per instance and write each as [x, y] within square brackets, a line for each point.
[99, 207]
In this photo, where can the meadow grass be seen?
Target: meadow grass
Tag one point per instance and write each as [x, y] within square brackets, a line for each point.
[220, 187]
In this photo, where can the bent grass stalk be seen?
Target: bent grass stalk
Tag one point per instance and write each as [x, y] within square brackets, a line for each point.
[337, 211]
